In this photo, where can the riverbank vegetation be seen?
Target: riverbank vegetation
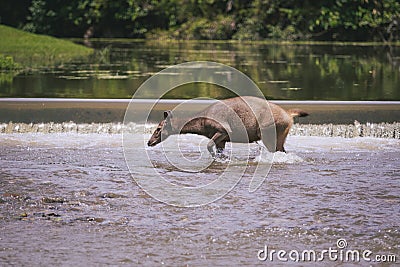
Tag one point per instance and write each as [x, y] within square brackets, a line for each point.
[325, 20]
[21, 50]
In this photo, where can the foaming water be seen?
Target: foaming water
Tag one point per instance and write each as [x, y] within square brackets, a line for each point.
[378, 130]
[281, 157]
[69, 199]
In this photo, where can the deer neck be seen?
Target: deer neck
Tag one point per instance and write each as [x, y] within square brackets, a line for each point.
[187, 125]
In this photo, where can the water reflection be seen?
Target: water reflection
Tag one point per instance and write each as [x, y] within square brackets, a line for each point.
[282, 71]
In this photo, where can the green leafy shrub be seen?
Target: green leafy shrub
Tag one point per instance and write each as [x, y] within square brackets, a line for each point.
[7, 63]
[220, 28]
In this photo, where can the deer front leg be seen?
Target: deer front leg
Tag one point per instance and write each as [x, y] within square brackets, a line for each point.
[215, 141]
[220, 147]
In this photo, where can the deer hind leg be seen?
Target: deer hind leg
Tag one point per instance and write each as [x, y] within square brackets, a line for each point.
[268, 137]
[218, 141]
[281, 138]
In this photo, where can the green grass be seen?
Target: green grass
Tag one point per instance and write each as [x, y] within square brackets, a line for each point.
[29, 50]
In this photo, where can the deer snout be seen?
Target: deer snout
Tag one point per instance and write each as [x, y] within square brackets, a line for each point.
[152, 143]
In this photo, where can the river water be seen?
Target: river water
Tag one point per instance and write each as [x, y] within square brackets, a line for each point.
[289, 71]
[68, 199]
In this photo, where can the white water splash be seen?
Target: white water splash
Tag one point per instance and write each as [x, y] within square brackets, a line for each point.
[278, 157]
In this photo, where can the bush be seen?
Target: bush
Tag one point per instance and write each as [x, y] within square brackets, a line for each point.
[7, 63]
[221, 28]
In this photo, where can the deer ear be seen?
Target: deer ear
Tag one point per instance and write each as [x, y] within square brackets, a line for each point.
[167, 114]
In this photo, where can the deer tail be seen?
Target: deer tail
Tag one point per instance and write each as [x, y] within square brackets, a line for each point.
[297, 113]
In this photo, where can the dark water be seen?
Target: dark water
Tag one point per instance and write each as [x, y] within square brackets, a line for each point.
[282, 71]
[68, 199]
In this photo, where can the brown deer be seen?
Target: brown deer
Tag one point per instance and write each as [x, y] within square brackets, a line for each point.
[222, 122]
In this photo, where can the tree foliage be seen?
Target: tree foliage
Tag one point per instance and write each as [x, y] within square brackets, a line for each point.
[344, 20]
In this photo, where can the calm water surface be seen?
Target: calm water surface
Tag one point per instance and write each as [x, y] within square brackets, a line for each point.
[68, 199]
[282, 71]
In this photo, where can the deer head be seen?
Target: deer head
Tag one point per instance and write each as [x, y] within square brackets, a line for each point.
[164, 129]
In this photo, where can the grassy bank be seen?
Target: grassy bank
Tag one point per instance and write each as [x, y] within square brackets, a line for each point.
[19, 49]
